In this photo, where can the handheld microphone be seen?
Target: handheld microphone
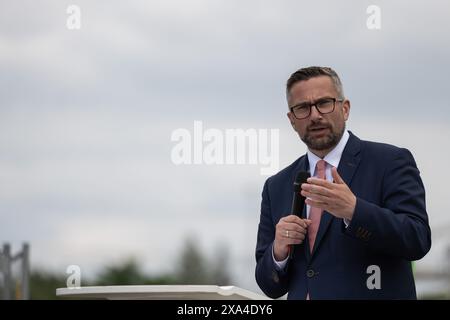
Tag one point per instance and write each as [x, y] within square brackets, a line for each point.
[298, 201]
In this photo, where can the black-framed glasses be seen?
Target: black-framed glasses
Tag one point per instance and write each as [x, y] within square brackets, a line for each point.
[323, 106]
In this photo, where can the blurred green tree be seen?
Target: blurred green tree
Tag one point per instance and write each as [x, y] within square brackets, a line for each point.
[128, 272]
[43, 284]
[220, 266]
[194, 268]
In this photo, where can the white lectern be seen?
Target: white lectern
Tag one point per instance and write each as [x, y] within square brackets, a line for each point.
[163, 292]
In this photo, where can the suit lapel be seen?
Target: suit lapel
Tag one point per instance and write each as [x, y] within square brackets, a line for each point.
[347, 166]
[350, 159]
[325, 221]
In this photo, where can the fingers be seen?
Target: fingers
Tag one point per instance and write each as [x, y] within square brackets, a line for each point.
[298, 240]
[297, 235]
[294, 219]
[289, 237]
[325, 183]
[336, 177]
[316, 197]
[318, 204]
[315, 189]
[291, 230]
[319, 182]
[291, 218]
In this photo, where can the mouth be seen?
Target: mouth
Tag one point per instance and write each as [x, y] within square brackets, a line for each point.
[319, 129]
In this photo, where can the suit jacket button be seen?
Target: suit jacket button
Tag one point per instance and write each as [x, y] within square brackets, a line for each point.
[275, 277]
[310, 273]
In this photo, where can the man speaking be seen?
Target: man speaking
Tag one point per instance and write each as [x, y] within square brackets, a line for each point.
[364, 218]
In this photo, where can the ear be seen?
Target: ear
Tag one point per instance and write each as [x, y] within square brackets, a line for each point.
[346, 109]
[291, 119]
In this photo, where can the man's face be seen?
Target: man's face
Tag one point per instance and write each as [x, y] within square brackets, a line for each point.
[320, 132]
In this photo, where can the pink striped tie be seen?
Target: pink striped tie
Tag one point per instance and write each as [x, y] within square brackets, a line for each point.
[316, 213]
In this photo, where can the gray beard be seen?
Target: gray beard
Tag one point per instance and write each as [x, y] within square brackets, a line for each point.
[324, 143]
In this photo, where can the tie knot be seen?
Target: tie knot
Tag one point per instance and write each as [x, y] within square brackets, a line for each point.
[320, 167]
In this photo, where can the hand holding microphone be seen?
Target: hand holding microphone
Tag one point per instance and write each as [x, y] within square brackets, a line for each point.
[291, 230]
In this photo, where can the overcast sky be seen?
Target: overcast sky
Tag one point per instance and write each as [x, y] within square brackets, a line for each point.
[86, 116]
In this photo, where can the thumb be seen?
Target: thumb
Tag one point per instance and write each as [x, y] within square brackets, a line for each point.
[336, 177]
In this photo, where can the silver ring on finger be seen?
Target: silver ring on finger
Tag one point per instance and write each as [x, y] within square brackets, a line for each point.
[287, 233]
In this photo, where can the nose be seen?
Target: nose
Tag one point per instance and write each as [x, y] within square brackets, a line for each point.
[315, 114]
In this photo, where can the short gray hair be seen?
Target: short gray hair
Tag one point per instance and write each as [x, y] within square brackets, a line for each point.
[313, 72]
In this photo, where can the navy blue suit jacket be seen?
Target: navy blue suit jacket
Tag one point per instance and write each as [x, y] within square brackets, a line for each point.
[389, 229]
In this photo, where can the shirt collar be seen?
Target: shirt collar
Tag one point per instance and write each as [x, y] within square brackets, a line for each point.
[332, 158]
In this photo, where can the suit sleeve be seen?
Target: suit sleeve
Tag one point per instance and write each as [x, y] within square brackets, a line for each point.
[399, 226]
[271, 280]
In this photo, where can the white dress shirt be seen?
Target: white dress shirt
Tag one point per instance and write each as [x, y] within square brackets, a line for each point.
[332, 160]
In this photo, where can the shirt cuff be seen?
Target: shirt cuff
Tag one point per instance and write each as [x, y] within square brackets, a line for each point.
[279, 265]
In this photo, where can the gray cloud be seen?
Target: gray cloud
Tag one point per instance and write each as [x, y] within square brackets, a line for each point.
[86, 116]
